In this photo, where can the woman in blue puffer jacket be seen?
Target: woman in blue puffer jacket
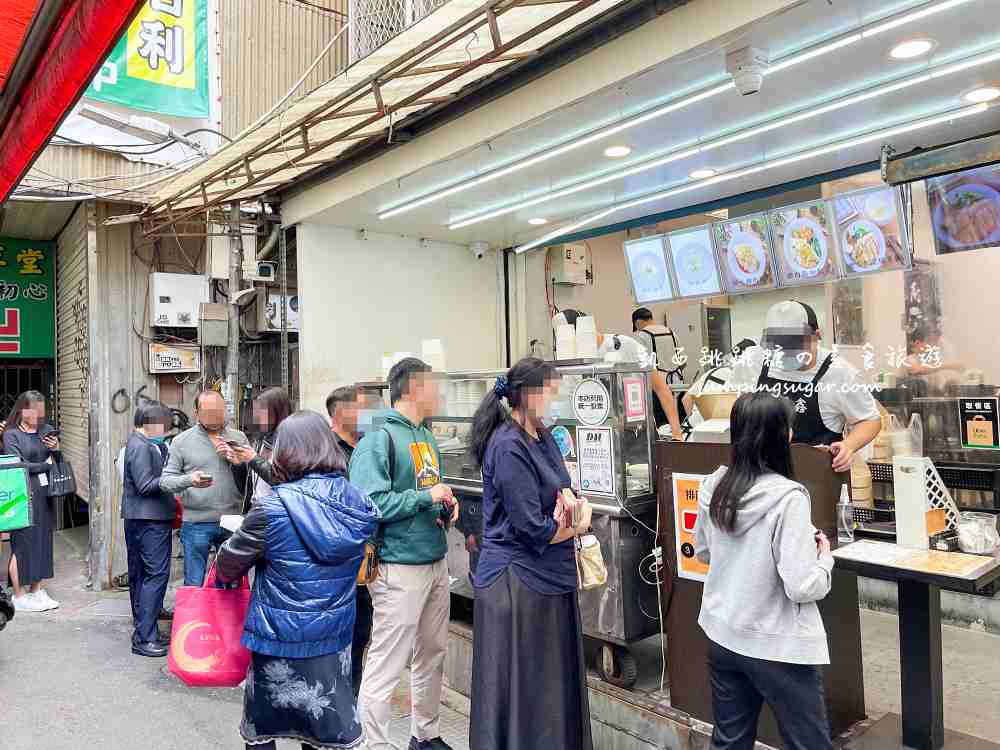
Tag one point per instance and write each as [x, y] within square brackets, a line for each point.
[307, 541]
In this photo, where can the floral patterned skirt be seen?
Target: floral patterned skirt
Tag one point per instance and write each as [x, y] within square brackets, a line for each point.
[308, 700]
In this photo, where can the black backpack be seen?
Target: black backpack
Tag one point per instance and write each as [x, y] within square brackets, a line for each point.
[6, 608]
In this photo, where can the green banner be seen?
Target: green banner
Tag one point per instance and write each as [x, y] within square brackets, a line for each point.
[161, 64]
[27, 299]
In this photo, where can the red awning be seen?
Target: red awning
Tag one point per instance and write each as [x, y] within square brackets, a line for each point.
[79, 42]
[13, 28]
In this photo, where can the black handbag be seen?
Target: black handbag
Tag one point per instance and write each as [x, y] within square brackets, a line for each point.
[62, 480]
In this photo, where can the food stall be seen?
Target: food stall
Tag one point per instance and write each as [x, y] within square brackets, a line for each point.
[606, 436]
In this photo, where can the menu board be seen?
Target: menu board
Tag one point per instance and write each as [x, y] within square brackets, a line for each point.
[695, 268]
[869, 233]
[965, 210]
[803, 244]
[744, 253]
[647, 266]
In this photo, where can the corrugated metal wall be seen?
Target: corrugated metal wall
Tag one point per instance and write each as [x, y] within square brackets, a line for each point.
[267, 45]
[58, 165]
[73, 345]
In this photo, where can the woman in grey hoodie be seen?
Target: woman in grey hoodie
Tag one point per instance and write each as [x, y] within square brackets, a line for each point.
[768, 567]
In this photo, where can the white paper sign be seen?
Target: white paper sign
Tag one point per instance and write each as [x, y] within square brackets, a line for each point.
[596, 459]
[591, 403]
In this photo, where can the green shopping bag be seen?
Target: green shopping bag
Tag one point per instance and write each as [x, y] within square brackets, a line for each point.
[15, 495]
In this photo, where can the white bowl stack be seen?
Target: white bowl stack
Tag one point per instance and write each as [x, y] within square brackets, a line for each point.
[433, 354]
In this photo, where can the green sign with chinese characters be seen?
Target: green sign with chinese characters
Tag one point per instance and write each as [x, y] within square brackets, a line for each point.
[161, 64]
[27, 299]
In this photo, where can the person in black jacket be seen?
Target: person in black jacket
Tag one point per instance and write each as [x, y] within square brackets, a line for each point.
[149, 514]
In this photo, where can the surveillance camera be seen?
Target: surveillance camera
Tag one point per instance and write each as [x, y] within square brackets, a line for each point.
[746, 66]
[478, 249]
[362, 234]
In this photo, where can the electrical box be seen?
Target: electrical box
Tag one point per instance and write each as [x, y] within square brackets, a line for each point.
[175, 299]
[568, 264]
[220, 248]
[168, 358]
[214, 325]
[269, 311]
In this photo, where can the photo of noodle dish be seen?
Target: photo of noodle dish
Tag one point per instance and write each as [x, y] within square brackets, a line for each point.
[805, 246]
[864, 246]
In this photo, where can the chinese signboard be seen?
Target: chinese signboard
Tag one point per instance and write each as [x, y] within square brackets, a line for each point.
[686, 487]
[978, 418]
[27, 299]
[161, 64]
[591, 403]
[164, 358]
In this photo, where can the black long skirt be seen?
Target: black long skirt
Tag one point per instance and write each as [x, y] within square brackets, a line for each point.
[529, 686]
[33, 546]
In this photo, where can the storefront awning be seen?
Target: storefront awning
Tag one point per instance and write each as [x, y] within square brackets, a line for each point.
[50, 51]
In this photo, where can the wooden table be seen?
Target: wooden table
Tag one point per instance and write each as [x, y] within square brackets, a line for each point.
[919, 576]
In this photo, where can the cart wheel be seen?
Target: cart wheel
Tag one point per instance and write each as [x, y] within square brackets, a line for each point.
[617, 666]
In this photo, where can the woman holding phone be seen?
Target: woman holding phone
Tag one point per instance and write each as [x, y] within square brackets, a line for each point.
[769, 567]
[529, 689]
[36, 443]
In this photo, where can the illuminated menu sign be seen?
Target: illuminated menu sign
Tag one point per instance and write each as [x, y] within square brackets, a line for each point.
[744, 253]
[647, 266]
[694, 263]
[803, 244]
[869, 233]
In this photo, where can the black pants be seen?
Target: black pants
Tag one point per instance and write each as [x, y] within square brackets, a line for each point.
[362, 635]
[148, 544]
[272, 746]
[740, 686]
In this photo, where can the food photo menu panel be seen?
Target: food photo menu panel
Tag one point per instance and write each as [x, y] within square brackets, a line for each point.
[647, 266]
[965, 210]
[869, 234]
[803, 244]
[744, 253]
[693, 257]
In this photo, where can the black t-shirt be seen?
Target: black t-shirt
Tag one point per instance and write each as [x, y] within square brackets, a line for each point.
[347, 448]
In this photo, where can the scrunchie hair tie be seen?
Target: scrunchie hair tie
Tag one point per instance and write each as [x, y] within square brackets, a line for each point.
[502, 387]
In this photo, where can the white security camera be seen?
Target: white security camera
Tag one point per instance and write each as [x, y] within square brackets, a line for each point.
[479, 249]
[746, 66]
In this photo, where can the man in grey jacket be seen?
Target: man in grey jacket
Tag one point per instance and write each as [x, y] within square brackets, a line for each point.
[200, 468]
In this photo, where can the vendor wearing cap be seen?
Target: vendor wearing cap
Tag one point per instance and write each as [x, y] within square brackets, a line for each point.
[827, 393]
[665, 409]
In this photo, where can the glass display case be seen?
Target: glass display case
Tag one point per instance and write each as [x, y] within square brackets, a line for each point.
[604, 430]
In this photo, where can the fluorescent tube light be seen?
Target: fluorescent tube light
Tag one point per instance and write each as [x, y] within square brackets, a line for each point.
[789, 61]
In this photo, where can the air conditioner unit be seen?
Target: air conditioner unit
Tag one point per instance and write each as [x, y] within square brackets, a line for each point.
[175, 299]
[269, 311]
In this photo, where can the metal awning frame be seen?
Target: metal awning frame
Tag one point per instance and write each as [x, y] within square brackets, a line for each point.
[294, 142]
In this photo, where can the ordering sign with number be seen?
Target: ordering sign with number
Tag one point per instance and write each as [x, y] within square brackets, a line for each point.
[686, 488]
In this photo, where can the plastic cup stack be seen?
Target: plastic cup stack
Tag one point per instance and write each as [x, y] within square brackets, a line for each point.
[586, 337]
[566, 342]
[433, 354]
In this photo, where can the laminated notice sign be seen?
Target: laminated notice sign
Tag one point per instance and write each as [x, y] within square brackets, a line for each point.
[596, 460]
[686, 488]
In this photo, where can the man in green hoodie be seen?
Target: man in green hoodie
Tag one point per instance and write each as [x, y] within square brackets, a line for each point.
[399, 467]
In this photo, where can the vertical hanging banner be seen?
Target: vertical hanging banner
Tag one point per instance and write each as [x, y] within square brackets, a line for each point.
[161, 64]
[27, 299]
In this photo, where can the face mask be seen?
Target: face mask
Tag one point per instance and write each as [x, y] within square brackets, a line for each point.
[552, 414]
[159, 439]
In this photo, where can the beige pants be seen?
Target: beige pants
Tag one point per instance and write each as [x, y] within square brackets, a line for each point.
[410, 629]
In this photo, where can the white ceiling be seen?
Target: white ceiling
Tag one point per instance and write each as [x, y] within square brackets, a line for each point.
[860, 66]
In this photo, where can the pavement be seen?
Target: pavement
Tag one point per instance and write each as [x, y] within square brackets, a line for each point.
[68, 679]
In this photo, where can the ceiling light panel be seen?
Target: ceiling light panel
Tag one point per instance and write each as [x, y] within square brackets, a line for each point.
[715, 89]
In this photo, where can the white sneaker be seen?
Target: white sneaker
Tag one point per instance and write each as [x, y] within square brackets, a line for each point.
[28, 603]
[43, 596]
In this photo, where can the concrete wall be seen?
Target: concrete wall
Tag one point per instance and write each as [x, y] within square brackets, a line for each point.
[363, 298]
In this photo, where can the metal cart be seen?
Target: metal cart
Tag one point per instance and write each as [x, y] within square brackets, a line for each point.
[609, 454]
